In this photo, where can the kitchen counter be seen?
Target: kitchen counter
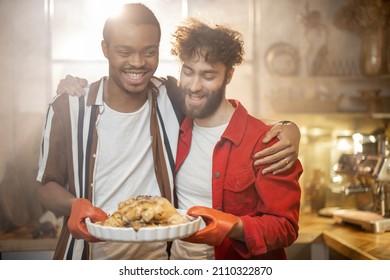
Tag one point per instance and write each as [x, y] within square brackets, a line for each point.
[21, 241]
[348, 240]
[27, 244]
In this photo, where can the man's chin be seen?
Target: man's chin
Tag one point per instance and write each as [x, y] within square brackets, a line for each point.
[136, 89]
[195, 113]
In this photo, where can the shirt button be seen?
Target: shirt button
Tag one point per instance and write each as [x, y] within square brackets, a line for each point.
[216, 174]
[94, 155]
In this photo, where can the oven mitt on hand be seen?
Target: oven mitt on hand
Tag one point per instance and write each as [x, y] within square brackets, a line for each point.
[81, 209]
[218, 225]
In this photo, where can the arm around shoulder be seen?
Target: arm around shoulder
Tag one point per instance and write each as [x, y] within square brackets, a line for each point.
[281, 155]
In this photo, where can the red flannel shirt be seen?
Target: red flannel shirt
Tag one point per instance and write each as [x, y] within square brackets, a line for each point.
[268, 205]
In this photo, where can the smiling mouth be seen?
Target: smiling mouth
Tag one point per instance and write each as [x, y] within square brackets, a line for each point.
[135, 76]
[195, 98]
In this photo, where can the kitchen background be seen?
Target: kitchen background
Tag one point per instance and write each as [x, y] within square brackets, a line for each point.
[324, 64]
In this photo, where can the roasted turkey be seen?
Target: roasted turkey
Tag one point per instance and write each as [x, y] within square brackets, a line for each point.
[145, 211]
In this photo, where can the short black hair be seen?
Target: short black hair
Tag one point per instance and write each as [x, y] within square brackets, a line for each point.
[135, 13]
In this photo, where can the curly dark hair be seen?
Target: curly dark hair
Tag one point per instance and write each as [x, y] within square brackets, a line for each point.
[216, 44]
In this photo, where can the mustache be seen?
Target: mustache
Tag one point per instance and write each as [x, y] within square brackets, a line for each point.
[185, 90]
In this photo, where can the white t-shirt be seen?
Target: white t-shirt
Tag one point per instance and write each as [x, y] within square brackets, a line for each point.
[121, 135]
[194, 185]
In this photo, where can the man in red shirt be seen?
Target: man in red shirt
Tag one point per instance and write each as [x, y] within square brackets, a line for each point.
[248, 214]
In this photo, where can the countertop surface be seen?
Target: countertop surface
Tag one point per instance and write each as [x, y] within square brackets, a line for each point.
[22, 240]
[349, 240]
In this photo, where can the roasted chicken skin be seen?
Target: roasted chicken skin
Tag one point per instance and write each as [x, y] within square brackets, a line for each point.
[145, 211]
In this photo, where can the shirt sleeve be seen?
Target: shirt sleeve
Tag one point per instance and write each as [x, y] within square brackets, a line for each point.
[52, 157]
[276, 225]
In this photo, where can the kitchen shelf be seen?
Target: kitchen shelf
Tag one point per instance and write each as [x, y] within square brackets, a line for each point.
[328, 94]
[334, 79]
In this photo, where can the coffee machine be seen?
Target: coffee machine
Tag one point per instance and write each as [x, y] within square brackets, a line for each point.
[369, 173]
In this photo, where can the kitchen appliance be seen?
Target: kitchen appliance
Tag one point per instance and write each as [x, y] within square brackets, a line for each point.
[369, 172]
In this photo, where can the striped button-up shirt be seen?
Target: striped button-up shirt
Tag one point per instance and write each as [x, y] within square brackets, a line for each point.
[70, 140]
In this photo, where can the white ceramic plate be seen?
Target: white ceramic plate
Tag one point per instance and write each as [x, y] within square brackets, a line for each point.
[147, 234]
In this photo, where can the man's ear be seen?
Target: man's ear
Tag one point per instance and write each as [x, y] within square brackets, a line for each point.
[229, 75]
[104, 48]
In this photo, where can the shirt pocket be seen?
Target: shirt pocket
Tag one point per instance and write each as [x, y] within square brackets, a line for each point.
[240, 195]
[240, 179]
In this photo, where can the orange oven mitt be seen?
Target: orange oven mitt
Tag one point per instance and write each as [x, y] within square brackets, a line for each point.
[218, 225]
[81, 209]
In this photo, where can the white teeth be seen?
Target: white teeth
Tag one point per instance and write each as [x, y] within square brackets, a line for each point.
[195, 96]
[134, 76]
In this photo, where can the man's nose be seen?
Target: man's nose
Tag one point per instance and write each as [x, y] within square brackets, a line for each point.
[195, 84]
[136, 60]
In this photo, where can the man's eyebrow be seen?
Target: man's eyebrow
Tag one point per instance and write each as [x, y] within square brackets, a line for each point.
[151, 47]
[131, 48]
[208, 71]
[122, 47]
[187, 67]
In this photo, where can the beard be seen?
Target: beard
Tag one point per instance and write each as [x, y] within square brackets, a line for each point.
[214, 99]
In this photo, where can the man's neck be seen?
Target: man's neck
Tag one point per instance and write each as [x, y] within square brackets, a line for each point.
[221, 116]
[122, 101]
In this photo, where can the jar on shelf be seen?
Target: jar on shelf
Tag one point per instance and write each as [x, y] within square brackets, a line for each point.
[372, 52]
